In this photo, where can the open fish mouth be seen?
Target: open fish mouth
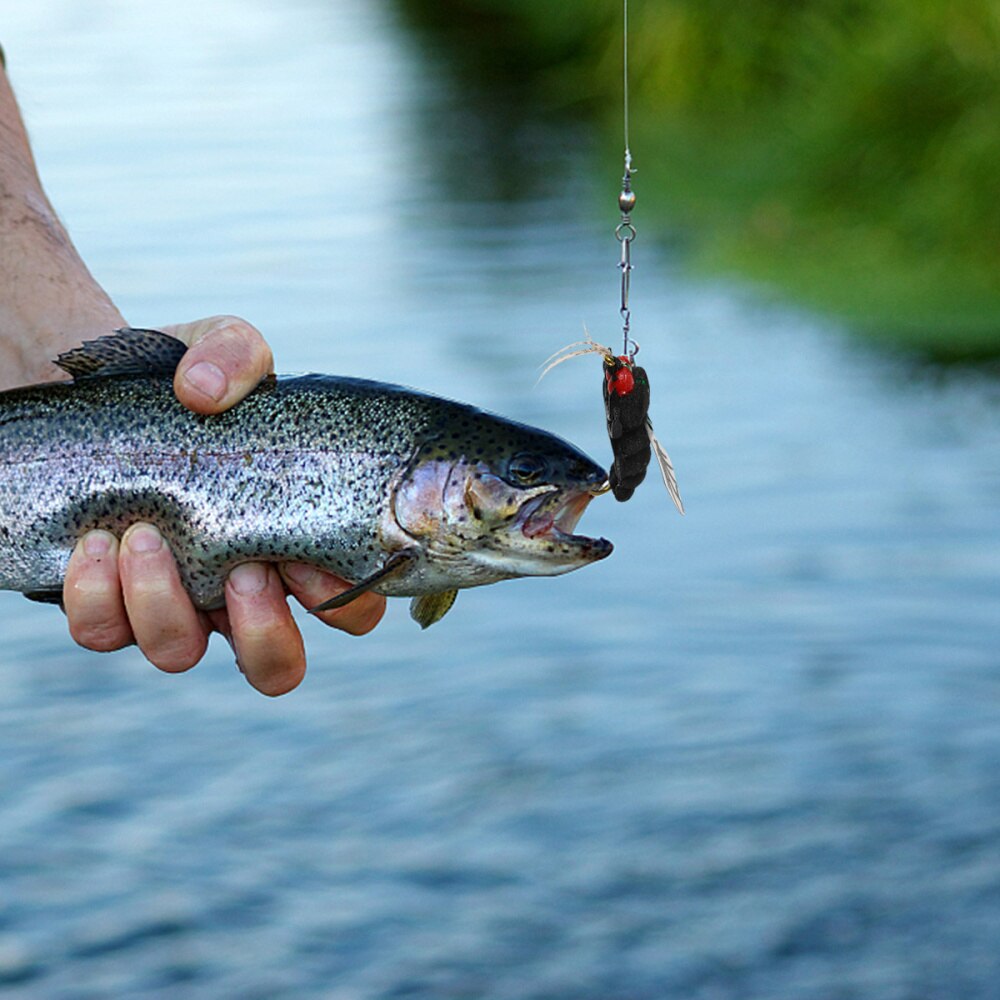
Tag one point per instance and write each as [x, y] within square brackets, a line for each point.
[553, 518]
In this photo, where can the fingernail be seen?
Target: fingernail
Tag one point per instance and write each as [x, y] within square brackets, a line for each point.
[97, 544]
[301, 573]
[249, 578]
[145, 539]
[208, 379]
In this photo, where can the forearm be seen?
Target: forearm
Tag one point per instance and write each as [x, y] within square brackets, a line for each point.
[48, 299]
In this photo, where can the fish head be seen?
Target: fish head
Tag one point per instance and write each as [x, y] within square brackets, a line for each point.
[489, 500]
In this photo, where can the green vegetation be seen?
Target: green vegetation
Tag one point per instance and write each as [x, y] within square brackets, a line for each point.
[844, 151]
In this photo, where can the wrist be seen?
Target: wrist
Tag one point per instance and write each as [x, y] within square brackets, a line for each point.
[49, 301]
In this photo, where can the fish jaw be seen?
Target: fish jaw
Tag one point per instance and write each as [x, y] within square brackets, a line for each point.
[474, 527]
[541, 542]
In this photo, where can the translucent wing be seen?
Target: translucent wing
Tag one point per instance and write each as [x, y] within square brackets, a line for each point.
[666, 468]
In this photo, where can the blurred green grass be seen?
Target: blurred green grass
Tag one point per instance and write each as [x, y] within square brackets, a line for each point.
[843, 152]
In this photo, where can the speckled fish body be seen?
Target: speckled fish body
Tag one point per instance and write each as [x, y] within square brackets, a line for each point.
[339, 472]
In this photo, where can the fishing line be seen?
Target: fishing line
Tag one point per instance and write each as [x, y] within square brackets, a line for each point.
[625, 230]
[625, 74]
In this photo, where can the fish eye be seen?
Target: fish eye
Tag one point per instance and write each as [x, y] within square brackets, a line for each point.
[526, 469]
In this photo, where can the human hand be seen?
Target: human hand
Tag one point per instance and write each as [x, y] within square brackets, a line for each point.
[117, 593]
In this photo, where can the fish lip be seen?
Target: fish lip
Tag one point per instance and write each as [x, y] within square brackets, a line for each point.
[553, 516]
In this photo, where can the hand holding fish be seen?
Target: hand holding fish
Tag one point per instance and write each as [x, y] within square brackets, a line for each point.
[116, 592]
[119, 593]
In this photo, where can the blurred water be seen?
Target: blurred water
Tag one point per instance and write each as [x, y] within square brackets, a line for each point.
[754, 754]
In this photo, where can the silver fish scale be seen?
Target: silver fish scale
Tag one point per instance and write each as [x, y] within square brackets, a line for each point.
[302, 470]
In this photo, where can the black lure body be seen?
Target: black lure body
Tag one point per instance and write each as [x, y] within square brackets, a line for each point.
[626, 403]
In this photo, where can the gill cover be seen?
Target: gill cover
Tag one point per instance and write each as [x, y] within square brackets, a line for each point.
[445, 500]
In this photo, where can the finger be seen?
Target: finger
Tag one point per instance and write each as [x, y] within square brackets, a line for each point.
[166, 624]
[268, 645]
[226, 358]
[311, 586]
[218, 620]
[92, 595]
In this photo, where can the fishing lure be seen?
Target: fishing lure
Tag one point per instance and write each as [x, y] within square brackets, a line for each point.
[626, 405]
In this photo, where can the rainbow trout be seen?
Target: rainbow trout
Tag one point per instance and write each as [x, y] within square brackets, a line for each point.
[394, 490]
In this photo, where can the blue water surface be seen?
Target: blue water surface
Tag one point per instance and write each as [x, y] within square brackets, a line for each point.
[756, 753]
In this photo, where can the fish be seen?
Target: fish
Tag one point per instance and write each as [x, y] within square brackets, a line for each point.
[395, 490]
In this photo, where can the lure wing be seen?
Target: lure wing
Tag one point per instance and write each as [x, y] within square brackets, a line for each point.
[666, 467]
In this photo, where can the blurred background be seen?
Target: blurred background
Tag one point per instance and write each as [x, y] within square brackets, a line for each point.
[842, 152]
[756, 753]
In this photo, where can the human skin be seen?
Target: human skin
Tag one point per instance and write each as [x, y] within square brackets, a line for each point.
[123, 591]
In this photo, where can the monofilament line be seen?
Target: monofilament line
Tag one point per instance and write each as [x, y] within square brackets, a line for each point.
[625, 231]
[625, 75]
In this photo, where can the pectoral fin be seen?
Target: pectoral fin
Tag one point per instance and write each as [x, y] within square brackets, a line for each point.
[396, 562]
[431, 608]
[46, 596]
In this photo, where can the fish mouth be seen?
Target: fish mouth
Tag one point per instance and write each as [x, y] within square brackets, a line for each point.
[553, 517]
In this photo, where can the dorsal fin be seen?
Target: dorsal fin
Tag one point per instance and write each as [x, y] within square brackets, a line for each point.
[126, 352]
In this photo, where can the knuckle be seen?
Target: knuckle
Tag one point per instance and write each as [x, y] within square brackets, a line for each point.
[359, 617]
[258, 626]
[239, 331]
[101, 636]
[175, 654]
[150, 580]
[238, 347]
[368, 623]
[91, 581]
[86, 587]
[225, 322]
[148, 590]
[276, 683]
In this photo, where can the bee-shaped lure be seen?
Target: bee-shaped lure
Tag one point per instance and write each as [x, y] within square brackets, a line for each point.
[626, 405]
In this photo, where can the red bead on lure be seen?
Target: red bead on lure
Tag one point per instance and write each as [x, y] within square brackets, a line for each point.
[622, 381]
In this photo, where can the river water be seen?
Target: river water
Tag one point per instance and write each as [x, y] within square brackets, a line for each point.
[756, 753]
